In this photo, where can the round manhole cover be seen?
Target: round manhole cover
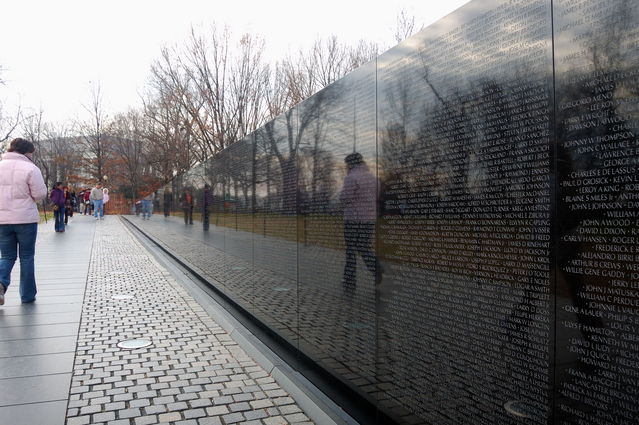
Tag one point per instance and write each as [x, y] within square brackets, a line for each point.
[121, 297]
[132, 344]
[520, 409]
[281, 289]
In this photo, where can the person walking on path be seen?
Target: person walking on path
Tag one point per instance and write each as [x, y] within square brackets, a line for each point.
[21, 186]
[147, 206]
[105, 199]
[69, 204]
[57, 202]
[87, 201]
[97, 197]
[81, 202]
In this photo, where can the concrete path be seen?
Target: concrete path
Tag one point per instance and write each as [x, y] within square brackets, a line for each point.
[38, 341]
[59, 358]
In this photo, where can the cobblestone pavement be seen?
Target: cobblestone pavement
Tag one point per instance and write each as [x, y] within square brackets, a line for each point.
[192, 374]
[260, 274]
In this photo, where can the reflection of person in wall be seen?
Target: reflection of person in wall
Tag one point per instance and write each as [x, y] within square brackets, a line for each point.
[167, 201]
[207, 201]
[147, 206]
[359, 199]
[187, 206]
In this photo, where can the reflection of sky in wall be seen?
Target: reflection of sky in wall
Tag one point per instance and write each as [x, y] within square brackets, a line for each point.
[455, 54]
[576, 31]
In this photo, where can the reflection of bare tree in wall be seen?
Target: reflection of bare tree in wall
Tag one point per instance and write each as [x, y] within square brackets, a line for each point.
[241, 172]
[316, 161]
[262, 173]
[316, 179]
[285, 141]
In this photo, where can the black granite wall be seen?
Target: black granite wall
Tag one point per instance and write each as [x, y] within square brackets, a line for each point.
[477, 262]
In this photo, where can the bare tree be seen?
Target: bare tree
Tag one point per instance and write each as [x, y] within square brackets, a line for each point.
[298, 78]
[93, 132]
[8, 124]
[166, 133]
[247, 84]
[362, 53]
[405, 27]
[58, 153]
[128, 147]
[33, 129]
[66, 153]
[219, 89]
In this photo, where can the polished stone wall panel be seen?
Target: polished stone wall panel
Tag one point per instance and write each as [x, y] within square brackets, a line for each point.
[465, 152]
[597, 363]
[496, 282]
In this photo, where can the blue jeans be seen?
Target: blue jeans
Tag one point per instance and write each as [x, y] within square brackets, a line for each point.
[20, 238]
[97, 208]
[59, 219]
[147, 208]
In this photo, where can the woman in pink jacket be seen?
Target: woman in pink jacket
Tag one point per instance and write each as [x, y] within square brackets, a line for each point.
[21, 185]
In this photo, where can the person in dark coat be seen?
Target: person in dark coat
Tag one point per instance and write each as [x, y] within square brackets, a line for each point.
[167, 203]
[69, 204]
[57, 201]
[207, 202]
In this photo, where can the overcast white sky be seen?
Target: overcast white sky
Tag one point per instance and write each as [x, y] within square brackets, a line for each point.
[51, 50]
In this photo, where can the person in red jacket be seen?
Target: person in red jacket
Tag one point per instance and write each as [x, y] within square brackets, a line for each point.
[87, 201]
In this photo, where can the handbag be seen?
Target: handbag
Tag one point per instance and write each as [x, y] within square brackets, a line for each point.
[55, 207]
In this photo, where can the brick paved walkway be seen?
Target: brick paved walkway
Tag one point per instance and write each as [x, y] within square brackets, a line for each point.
[193, 373]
